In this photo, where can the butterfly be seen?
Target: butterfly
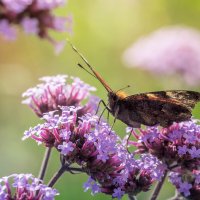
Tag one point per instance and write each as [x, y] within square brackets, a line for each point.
[151, 108]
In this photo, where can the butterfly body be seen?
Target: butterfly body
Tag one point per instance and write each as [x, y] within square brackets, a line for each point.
[153, 108]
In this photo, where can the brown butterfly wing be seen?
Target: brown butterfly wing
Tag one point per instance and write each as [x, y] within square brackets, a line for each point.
[163, 107]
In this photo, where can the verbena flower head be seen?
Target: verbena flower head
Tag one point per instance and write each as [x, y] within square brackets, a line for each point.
[168, 50]
[178, 143]
[98, 151]
[25, 186]
[34, 16]
[187, 183]
[122, 174]
[60, 90]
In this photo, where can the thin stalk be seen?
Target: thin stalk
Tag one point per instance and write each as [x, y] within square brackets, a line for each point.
[158, 187]
[60, 172]
[44, 163]
[56, 176]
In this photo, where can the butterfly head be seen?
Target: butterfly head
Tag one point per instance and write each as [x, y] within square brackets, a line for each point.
[114, 98]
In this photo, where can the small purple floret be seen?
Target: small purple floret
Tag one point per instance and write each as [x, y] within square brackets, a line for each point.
[66, 148]
[182, 150]
[185, 188]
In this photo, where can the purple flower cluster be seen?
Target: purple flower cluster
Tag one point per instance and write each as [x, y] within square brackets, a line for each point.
[187, 183]
[54, 92]
[178, 143]
[98, 151]
[34, 16]
[168, 50]
[25, 186]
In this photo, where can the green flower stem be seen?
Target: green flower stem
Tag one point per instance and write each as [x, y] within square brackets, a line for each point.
[44, 163]
[158, 187]
[56, 176]
[60, 172]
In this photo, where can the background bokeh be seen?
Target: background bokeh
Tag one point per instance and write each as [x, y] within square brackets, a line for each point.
[102, 30]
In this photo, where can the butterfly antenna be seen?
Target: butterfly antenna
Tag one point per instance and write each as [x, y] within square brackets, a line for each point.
[81, 66]
[123, 88]
[106, 86]
[81, 55]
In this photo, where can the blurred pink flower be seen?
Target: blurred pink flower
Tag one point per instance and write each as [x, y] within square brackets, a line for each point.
[8, 31]
[34, 16]
[30, 26]
[168, 50]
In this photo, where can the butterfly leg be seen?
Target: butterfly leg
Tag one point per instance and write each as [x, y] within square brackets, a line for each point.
[101, 114]
[112, 125]
[108, 115]
[101, 101]
[105, 108]
[115, 117]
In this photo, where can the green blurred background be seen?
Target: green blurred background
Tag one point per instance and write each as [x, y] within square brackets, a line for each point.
[103, 29]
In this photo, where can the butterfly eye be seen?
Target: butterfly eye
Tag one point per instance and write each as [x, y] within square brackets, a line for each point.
[114, 97]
